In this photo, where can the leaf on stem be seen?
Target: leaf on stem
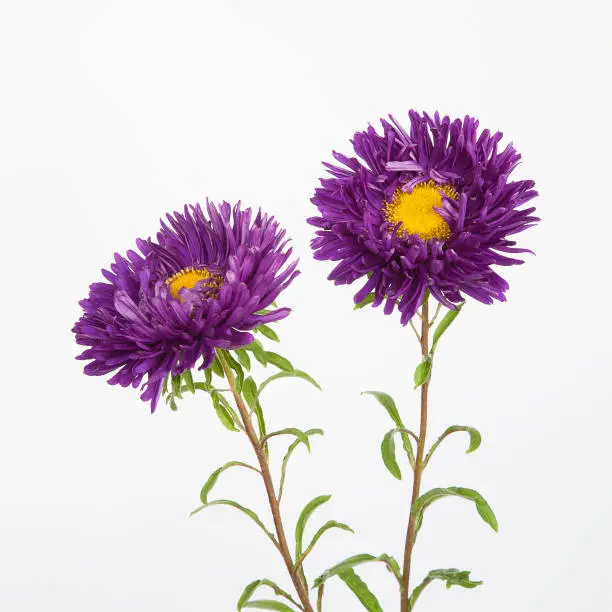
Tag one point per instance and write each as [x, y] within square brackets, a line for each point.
[475, 439]
[258, 352]
[252, 515]
[387, 449]
[292, 447]
[212, 479]
[223, 410]
[355, 560]
[387, 402]
[422, 372]
[253, 586]
[329, 525]
[249, 391]
[268, 604]
[483, 508]
[306, 513]
[361, 590]
[293, 373]
[282, 363]
[452, 576]
[444, 324]
[268, 332]
[291, 431]
[243, 358]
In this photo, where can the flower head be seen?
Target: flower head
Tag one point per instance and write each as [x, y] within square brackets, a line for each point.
[200, 286]
[431, 208]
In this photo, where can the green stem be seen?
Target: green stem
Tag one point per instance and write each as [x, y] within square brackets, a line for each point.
[418, 467]
[262, 459]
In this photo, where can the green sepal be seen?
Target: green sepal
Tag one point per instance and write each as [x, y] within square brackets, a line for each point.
[176, 386]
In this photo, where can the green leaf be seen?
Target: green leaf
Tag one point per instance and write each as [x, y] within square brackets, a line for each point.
[268, 604]
[243, 358]
[258, 352]
[387, 449]
[367, 300]
[387, 402]
[361, 590]
[208, 376]
[222, 412]
[188, 380]
[343, 566]
[235, 366]
[309, 508]
[483, 508]
[252, 515]
[329, 525]
[212, 479]
[292, 447]
[320, 593]
[452, 576]
[475, 439]
[249, 391]
[422, 372]
[253, 586]
[172, 403]
[217, 368]
[268, 332]
[176, 386]
[292, 431]
[444, 324]
[292, 374]
[280, 362]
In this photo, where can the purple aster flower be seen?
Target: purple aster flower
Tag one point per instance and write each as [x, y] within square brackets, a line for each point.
[429, 209]
[202, 285]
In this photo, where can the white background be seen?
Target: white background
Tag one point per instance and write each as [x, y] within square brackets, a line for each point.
[113, 113]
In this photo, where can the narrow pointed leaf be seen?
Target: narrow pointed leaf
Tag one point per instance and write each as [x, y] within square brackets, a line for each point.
[475, 439]
[309, 508]
[188, 380]
[422, 372]
[243, 358]
[252, 515]
[212, 479]
[269, 604]
[216, 367]
[387, 449]
[444, 324]
[329, 525]
[279, 361]
[249, 391]
[343, 566]
[361, 590]
[367, 300]
[258, 352]
[253, 586]
[222, 412]
[292, 447]
[292, 374]
[291, 431]
[268, 332]
[452, 576]
[176, 386]
[483, 508]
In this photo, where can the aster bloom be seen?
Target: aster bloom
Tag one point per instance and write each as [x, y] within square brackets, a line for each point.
[201, 286]
[429, 209]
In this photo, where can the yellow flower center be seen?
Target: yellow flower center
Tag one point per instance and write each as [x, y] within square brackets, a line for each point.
[190, 277]
[416, 211]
